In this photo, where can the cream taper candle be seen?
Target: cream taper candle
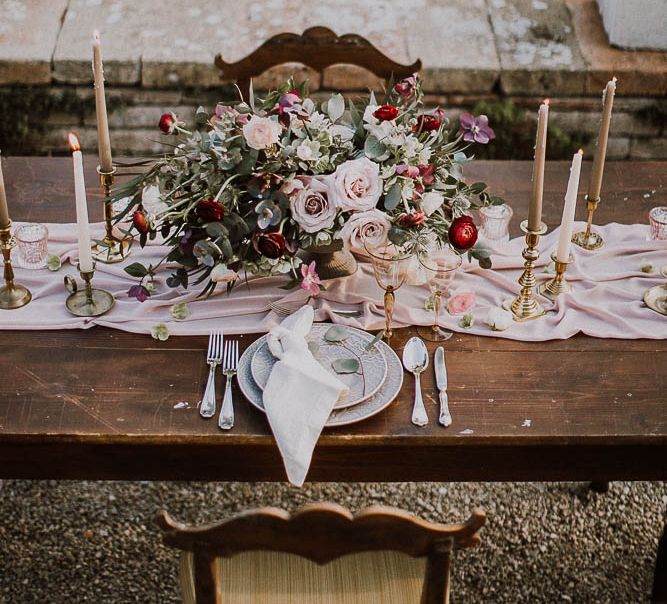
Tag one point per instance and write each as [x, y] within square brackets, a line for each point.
[103, 140]
[83, 228]
[4, 212]
[601, 149]
[535, 207]
[567, 222]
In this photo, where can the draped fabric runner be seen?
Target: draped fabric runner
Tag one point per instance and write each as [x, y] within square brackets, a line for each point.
[606, 301]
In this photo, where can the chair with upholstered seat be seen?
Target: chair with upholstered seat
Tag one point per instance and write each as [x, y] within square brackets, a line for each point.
[321, 554]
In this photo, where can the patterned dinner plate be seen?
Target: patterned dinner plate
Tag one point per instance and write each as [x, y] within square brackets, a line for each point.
[339, 417]
[363, 384]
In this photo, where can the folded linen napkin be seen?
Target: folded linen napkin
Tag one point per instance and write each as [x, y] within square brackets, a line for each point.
[299, 395]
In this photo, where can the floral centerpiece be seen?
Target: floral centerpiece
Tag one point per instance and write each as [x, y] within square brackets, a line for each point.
[257, 181]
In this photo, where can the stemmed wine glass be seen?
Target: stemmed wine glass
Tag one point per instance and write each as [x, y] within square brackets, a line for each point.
[440, 264]
[390, 266]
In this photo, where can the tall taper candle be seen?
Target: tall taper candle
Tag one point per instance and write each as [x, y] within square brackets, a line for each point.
[85, 254]
[601, 149]
[4, 212]
[567, 222]
[535, 208]
[103, 140]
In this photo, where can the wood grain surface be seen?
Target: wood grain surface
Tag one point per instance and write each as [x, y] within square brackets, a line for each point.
[100, 403]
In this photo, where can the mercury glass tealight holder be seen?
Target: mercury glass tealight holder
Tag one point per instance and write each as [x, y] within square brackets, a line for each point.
[495, 222]
[657, 218]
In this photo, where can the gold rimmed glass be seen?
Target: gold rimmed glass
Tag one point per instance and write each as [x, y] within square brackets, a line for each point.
[390, 267]
[440, 265]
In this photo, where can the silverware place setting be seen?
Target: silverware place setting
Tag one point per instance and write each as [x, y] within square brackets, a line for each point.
[213, 358]
[229, 367]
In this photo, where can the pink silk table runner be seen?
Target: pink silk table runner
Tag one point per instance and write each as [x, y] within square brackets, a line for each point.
[607, 300]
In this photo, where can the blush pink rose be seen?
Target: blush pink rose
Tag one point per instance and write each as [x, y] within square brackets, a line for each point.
[371, 227]
[261, 132]
[461, 303]
[356, 185]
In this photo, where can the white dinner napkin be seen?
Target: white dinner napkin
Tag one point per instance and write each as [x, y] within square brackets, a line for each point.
[299, 395]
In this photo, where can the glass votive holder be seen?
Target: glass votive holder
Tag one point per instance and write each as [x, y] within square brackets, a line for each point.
[495, 222]
[32, 239]
[657, 218]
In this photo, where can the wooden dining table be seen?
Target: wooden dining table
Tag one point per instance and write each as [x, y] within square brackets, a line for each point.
[103, 404]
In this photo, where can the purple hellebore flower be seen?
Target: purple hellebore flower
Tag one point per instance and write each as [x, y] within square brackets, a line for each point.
[139, 292]
[406, 86]
[288, 102]
[476, 129]
[405, 170]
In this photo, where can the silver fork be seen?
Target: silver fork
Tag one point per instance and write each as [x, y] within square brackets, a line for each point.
[213, 358]
[284, 311]
[231, 362]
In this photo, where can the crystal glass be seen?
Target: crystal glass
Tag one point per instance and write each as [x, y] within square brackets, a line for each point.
[658, 220]
[440, 264]
[495, 221]
[390, 267]
[32, 241]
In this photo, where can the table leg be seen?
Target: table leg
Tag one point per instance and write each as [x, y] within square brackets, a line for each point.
[599, 486]
[659, 594]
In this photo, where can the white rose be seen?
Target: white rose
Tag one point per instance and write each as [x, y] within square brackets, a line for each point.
[431, 201]
[356, 185]
[371, 226]
[499, 319]
[261, 132]
[308, 150]
[222, 274]
[150, 200]
[311, 207]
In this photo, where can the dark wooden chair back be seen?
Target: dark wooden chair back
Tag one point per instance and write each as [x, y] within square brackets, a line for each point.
[317, 48]
[322, 533]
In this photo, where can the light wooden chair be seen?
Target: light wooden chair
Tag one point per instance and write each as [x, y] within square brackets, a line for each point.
[317, 48]
[321, 554]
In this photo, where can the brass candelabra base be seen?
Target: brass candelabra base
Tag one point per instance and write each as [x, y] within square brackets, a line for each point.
[111, 249]
[12, 295]
[558, 285]
[525, 307]
[589, 239]
[88, 302]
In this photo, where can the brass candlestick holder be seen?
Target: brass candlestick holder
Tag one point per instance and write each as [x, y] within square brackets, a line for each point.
[558, 285]
[112, 249]
[588, 239]
[11, 295]
[89, 302]
[525, 307]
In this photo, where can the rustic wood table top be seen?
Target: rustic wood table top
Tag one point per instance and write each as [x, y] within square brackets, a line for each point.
[99, 403]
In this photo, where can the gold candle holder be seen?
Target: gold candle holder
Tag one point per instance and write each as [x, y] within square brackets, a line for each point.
[588, 239]
[112, 249]
[11, 295]
[558, 285]
[88, 302]
[525, 307]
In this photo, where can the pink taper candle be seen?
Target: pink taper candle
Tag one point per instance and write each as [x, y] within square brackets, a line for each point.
[103, 140]
[601, 150]
[4, 212]
[535, 207]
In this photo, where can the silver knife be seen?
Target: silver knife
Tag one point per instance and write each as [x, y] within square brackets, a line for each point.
[441, 381]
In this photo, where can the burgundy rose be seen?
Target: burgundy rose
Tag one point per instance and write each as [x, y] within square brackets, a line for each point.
[168, 123]
[463, 233]
[271, 245]
[139, 292]
[386, 113]
[426, 123]
[406, 88]
[410, 219]
[210, 210]
[140, 222]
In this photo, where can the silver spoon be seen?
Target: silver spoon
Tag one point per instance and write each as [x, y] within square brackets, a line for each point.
[415, 360]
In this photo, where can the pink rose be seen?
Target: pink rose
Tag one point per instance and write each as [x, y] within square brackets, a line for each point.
[371, 226]
[261, 132]
[461, 303]
[310, 205]
[356, 185]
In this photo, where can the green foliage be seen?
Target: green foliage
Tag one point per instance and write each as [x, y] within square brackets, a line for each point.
[515, 134]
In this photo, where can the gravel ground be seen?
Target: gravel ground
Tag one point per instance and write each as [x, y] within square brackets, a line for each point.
[70, 542]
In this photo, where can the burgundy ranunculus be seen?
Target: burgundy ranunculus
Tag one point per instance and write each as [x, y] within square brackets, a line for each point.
[140, 222]
[463, 233]
[386, 113]
[426, 123]
[271, 245]
[168, 122]
[210, 210]
[410, 219]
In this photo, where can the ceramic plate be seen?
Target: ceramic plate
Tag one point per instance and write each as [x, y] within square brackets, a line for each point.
[339, 417]
[362, 385]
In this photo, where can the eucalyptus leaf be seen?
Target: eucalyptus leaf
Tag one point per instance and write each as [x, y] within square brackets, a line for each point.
[336, 333]
[374, 148]
[345, 365]
[314, 348]
[393, 197]
[336, 107]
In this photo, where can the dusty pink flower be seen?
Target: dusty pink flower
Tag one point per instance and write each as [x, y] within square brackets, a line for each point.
[461, 303]
[311, 280]
[356, 185]
[371, 227]
[261, 132]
